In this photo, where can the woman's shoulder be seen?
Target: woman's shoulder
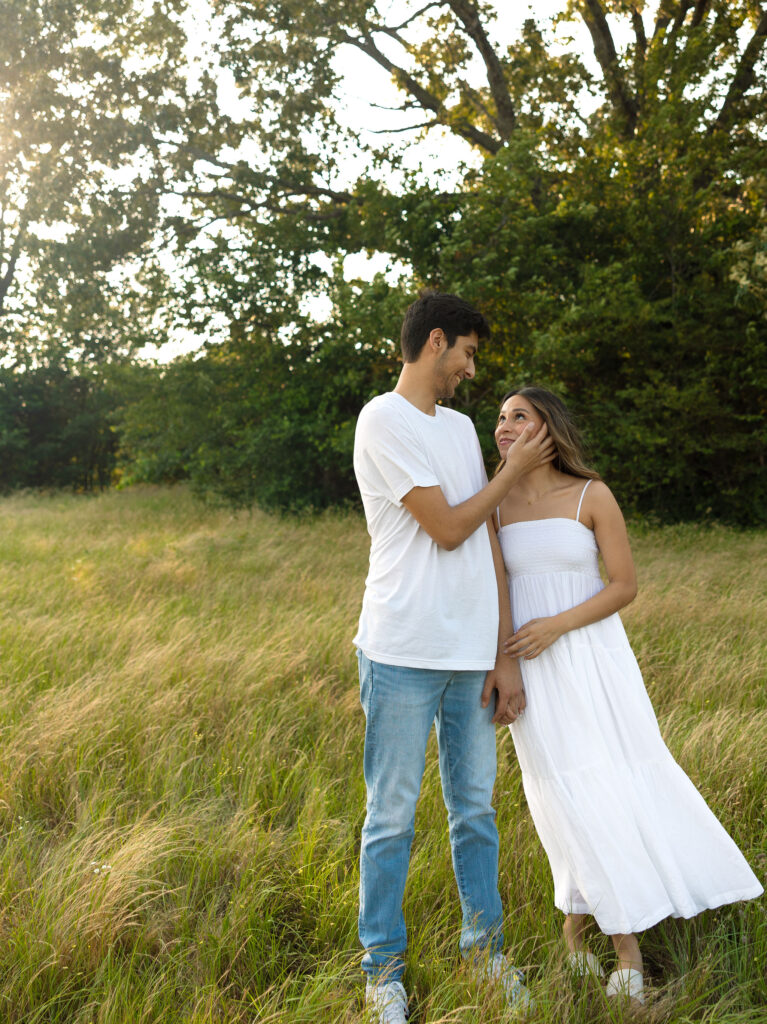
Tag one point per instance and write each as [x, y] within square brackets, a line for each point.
[598, 501]
[595, 488]
[589, 487]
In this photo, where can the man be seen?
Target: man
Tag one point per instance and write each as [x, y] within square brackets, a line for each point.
[436, 603]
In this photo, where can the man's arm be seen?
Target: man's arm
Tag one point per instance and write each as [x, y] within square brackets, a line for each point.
[450, 525]
[506, 677]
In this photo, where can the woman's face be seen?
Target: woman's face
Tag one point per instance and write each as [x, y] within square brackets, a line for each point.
[516, 412]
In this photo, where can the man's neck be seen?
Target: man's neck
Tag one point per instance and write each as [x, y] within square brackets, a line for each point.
[417, 388]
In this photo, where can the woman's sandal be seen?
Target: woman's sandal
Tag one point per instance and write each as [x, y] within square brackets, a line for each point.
[583, 963]
[626, 982]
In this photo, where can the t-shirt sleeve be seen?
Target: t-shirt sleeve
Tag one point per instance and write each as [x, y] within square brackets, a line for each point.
[480, 460]
[389, 456]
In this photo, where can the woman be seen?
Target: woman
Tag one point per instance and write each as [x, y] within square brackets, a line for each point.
[629, 838]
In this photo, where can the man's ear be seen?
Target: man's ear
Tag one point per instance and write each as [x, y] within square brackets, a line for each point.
[437, 339]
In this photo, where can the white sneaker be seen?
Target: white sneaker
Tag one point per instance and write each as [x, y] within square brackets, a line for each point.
[626, 981]
[498, 969]
[386, 1002]
[583, 963]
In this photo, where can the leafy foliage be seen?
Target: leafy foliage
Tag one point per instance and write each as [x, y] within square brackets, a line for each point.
[255, 421]
[55, 429]
[608, 218]
[91, 92]
[603, 248]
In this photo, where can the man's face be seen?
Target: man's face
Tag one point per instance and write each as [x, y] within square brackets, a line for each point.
[455, 364]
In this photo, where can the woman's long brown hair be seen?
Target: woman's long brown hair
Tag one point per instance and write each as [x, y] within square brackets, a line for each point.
[562, 430]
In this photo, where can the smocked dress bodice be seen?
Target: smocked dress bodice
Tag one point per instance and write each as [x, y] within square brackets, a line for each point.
[549, 546]
[552, 565]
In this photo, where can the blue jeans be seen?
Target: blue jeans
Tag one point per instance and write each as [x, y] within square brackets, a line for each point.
[400, 706]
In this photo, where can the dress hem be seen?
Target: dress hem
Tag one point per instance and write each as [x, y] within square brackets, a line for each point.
[654, 917]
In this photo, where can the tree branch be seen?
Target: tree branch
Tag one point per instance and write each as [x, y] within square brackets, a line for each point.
[315, 191]
[407, 128]
[666, 12]
[249, 207]
[506, 119]
[639, 32]
[413, 17]
[424, 98]
[640, 52]
[604, 50]
[743, 78]
[10, 269]
[681, 13]
[662, 17]
[201, 154]
[288, 188]
[701, 9]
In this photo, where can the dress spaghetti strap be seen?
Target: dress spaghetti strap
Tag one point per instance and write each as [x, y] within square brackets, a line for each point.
[578, 513]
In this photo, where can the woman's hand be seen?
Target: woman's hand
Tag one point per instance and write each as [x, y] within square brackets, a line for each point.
[532, 638]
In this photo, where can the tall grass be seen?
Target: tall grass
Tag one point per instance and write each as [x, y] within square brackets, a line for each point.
[180, 774]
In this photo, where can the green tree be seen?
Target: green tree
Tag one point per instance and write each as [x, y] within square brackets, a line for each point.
[602, 245]
[258, 420]
[607, 218]
[93, 94]
[56, 428]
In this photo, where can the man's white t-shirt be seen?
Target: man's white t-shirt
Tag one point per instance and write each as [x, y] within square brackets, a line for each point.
[424, 607]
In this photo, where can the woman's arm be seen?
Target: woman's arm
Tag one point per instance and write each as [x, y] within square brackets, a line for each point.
[601, 512]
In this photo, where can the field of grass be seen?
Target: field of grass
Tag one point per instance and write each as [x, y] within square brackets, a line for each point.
[180, 774]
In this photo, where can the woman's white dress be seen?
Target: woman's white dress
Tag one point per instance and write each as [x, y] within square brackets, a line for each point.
[628, 836]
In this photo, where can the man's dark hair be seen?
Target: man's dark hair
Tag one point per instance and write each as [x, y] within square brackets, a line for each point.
[439, 309]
